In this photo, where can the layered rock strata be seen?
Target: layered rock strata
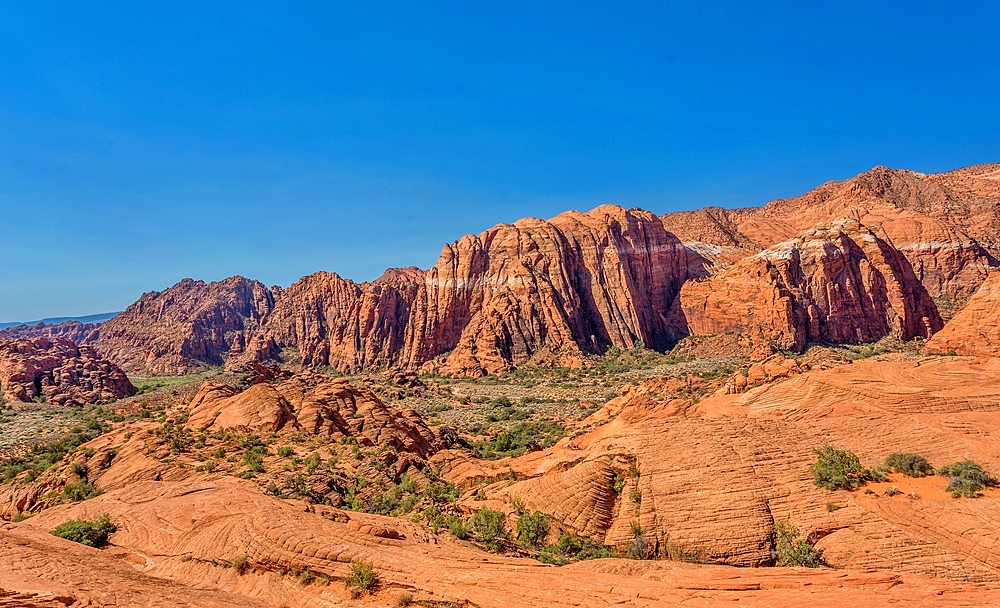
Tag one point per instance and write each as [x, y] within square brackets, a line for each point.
[975, 329]
[838, 282]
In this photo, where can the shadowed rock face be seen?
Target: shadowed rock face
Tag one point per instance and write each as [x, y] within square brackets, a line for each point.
[192, 325]
[836, 283]
[60, 372]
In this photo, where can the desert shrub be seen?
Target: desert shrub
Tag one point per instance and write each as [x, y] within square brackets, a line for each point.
[832, 506]
[45, 455]
[967, 478]
[363, 575]
[640, 547]
[569, 548]
[457, 527]
[489, 527]
[532, 529]
[912, 465]
[81, 490]
[306, 577]
[439, 492]
[240, 563]
[286, 451]
[515, 441]
[403, 599]
[407, 484]
[91, 533]
[837, 469]
[383, 504]
[791, 550]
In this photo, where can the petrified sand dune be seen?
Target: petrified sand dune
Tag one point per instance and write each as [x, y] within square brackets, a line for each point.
[714, 478]
[60, 372]
[175, 531]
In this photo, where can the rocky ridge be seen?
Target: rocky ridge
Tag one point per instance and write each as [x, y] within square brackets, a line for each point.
[58, 371]
[974, 330]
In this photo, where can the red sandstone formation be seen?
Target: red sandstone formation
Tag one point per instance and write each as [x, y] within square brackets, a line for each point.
[974, 330]
[187, 327]
[945, 224]
[59, 372]
[71, 330]
[569, 287]
[555, 292]
[840, 283]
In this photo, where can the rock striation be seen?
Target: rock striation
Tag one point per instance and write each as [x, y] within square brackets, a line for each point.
[839, 282]
[945, 224]
[60, 372]
[187, 327]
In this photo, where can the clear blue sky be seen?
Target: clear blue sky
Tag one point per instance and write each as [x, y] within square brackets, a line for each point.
[142, 145]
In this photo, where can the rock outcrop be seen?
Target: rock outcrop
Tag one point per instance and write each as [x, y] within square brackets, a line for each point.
[838, 282]
[59, 372]
[187, 327]
[564, 288]
[314, 404]
[945, 224]
[974, 330]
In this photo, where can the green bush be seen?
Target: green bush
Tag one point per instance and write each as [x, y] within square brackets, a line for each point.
[570, 548]
[286, 451]
[532, 530]
[489, 527]
[515, 441]
[457, 527]
[241, 564]
[81, 490]
[791, 550]
[912, 465]
[967, 478]
[837, 469]
[363, 575]
[91, 533]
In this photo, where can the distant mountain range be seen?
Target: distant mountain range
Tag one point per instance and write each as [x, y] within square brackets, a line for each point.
[98, 318]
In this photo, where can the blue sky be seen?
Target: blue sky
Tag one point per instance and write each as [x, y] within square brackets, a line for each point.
[140, 144]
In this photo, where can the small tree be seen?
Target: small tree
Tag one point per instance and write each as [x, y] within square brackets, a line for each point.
[837, 469]
[363, 576]
[790, 550]
[532, 530]
[489, 527]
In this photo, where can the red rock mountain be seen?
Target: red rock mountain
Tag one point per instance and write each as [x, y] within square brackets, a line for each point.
[557, 291]
[189, 326]
[947, 225]
[839, 282]
[60, 372]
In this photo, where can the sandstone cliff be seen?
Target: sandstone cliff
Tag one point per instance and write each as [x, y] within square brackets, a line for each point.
[60, 372]
[945, 224]
[838, 282]
[189, 326]
[974, 330]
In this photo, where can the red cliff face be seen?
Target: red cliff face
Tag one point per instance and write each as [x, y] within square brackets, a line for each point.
[571, 286]
[945, 224]
[190, 326]
[568, 287]
[59, 372]
[975, 329]
[838, 282]
[337, 322]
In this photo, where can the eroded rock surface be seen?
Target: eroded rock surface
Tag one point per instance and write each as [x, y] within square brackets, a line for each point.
[58, 371]
[974, 330]
[838, 282]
